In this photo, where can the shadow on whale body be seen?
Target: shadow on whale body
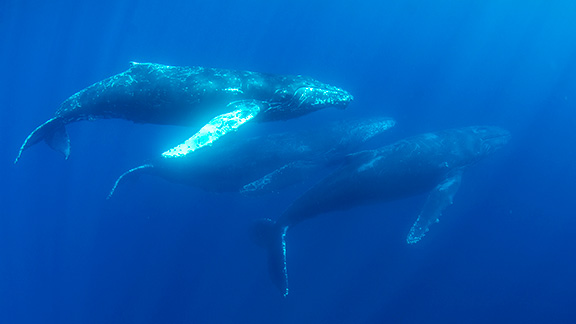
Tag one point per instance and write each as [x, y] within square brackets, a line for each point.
[264, 164]
[431, 162]
[189, 96]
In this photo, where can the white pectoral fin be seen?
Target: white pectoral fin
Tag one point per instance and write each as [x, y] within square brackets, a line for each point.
[440, 198]
[241, 112]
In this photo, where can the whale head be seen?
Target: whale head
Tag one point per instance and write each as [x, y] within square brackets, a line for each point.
[301, 95]
[492, 138]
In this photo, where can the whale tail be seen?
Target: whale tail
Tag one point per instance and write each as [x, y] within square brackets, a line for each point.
[53, 133]
[271, 236]
[130, 172]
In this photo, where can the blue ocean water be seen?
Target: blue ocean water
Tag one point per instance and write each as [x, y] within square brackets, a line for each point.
[166, 253]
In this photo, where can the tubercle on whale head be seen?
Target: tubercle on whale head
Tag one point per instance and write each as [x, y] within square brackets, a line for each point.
[303, 95]
[318, 98]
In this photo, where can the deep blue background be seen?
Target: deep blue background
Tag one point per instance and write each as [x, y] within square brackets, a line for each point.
[165, 253]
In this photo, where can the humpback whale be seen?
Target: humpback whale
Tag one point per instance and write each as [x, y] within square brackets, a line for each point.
[431, 162]
[221, 100]
[263, 164]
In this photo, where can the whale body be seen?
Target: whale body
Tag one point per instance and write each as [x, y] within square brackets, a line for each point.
[220, 99]
[431, 162]
[269, 163]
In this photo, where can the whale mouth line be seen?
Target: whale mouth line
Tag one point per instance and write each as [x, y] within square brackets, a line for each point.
[497, 136]
[493, 141]
[496, 139]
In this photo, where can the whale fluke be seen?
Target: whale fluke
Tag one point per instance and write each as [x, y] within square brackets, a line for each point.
[53, 133]
[268, 234]
[129, 172]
